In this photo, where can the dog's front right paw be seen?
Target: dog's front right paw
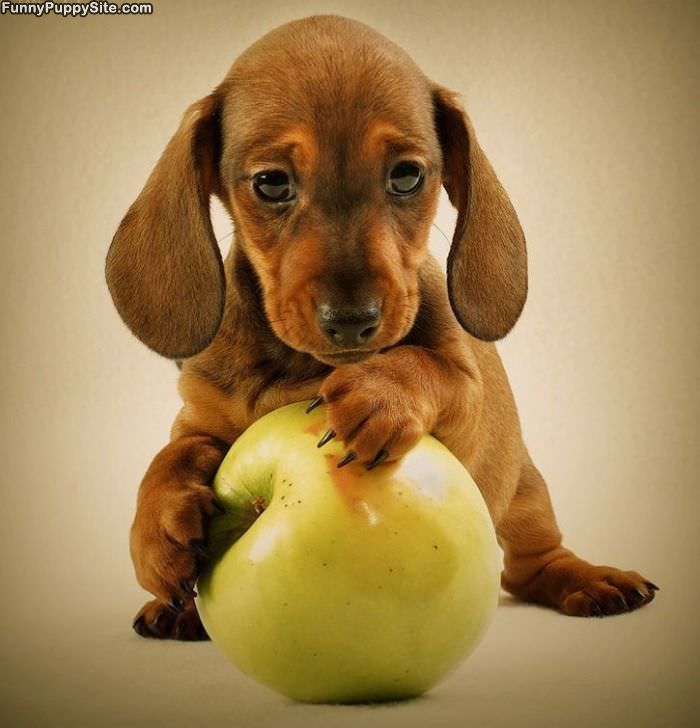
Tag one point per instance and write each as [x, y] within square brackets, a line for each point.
[157, 620]
[167, 541]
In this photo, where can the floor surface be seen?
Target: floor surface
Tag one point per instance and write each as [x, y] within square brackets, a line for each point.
[534, 667]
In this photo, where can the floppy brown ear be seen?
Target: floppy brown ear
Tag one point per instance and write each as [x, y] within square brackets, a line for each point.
[487, 263]
[164, 268]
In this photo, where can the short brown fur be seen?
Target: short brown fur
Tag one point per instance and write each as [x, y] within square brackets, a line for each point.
[335, 104]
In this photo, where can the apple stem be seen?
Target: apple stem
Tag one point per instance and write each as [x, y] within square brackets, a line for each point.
[259, 505]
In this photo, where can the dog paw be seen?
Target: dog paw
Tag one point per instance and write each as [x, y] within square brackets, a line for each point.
[167, 542]
[606, 590]
[158, 620]
[371, 412]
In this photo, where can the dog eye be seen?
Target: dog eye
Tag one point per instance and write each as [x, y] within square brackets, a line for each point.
[405, 178]
[273, 186]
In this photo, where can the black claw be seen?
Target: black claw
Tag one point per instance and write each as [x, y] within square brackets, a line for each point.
[349, 457]
[326, 438]
[188, 588]
[642, 594]
[176, 605]
[623, 603]
[596, 610]
[651, 585]
[179, 630]
[140, 627]
[379, 458]
[313, 404]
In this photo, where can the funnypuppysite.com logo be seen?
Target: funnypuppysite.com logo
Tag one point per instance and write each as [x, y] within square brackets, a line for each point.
[75, 10]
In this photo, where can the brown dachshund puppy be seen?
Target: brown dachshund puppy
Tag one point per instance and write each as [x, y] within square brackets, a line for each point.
[328, 147]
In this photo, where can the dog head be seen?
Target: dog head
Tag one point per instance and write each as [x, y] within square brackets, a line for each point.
[328, 147]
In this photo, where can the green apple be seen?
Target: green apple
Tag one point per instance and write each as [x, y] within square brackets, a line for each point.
[342, 585]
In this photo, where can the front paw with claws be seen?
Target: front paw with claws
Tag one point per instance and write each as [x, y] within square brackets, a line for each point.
[159, 621]
[371, 413]
[167, 541]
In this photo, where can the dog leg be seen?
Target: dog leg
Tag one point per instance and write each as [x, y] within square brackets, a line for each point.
[167, 537]
[537, 568]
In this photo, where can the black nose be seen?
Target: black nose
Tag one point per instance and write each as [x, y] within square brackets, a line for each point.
[349, 327]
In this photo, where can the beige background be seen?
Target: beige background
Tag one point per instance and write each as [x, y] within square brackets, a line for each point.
[589, 112]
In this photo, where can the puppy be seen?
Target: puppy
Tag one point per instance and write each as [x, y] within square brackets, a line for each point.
[328, 147]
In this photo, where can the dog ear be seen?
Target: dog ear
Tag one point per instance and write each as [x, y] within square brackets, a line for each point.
[164, 269]
[487, 263]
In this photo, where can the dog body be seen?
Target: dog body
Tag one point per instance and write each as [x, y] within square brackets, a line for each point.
[328, 148]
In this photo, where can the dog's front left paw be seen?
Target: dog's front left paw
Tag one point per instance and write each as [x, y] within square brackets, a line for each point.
[372, 413]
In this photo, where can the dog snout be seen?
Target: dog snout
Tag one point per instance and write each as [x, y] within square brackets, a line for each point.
[349, 327]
